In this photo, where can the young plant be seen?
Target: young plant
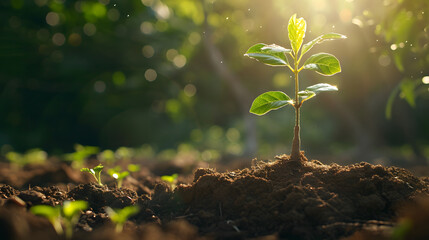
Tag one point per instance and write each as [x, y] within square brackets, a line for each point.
[58, 216]
[133, 167]
[81, 153]
[274, 55]
[118, 174]
[172, 180]
[120, 216]
[95, 172]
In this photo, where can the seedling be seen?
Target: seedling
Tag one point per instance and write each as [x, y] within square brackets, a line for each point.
[133, 167]
[107, 156]
[95, 172]
[120, 216]
[118, 174]
[58, 216]
[32, 156]
[172, 180]
[82, 152]
[274, 55]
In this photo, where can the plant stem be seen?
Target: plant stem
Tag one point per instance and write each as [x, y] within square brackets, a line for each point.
[296, 139]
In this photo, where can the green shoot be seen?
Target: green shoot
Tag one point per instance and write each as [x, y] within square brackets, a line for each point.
[172, 180]
[120, 216]
[274, 55]
[81, 153]
[32, 156]
[53, 214]
[133, 167]
[95, 172]
[67, 215]
[107, 156]
[118, 174]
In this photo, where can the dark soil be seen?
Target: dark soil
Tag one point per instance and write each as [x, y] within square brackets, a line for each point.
[278, 200]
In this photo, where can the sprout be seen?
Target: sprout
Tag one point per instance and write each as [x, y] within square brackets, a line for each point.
[133, 167]
[120, 216]
[82, 152]
[172, 180]
[95, 172]
[58, 216]
[274, 55]
[118, 174]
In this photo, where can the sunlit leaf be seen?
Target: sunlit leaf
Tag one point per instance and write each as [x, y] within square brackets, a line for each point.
[323, 63]
[296, 31]
[269, 54]
[72, 208]
[322, 87]
[407, 92]
[325, 37]
[305, 95]
[269, 101]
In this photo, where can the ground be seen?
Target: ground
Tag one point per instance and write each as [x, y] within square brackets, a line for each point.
[281, 199]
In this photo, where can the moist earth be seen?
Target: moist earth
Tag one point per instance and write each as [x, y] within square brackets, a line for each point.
[282, 199]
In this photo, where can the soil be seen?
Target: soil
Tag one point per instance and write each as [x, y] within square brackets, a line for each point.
[282, 199]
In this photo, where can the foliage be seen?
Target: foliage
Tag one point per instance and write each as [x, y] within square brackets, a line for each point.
[120, 216]
[67, 215]
[95, 172]
[80, 155]
[118, 174]
[170, 179]
[274, 55]
[32, 156]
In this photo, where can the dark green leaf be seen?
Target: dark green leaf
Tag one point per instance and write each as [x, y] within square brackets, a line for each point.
[269, 54]
[269, 101]
[330, 36]
[296, 31]
[323, 63]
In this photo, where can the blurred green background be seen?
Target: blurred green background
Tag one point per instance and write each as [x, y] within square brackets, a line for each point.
[164, 74]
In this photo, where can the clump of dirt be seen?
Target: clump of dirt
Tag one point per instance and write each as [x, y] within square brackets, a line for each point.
[295, 199]
[99, 196]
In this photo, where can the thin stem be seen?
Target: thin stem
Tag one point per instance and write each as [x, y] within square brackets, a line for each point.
[296, 139]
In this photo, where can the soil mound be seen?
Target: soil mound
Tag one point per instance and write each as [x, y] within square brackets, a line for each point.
[296, 200]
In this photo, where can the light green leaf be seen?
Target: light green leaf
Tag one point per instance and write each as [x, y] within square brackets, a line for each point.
[407, 91]
[72, 208]
[45, 211]
[269, 101]
[323, 63]
[325, 37]
[296, 31]
[305, 95]
[273, 55]
[322, 87]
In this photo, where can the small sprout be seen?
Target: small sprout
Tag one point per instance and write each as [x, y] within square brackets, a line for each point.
[53, 214]
[32, 156]
[107, 156]
[81, 153]
[172, 180]
[118, 174]
[133, 167]
[120, 216]
[58, 216]
[95, 172]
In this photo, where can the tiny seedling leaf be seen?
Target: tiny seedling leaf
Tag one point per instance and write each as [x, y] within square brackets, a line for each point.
[296, 32]
[170, 178]
[98, 168]
[323, 63]
[121, 215]
[269, 54]
[305, 95]
[72, 208]
[269, 101]
[325, 37]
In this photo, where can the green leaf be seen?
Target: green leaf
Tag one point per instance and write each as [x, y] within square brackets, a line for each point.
[45, 211]
[72, 208]
[305, 95]
[269, 101]
[311, 91]
[325, 37]
[322, 87]
[273, 55]
[407, 91]
[296, 31]
[323, 63]
[120, 216]
[98, 168]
